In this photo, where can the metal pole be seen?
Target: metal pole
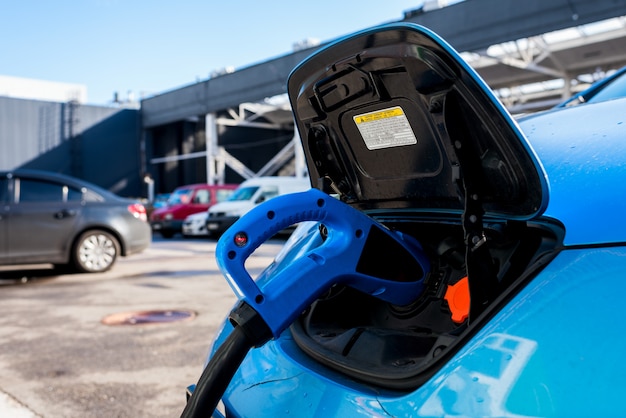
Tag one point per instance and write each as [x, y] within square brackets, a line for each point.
[213, 175]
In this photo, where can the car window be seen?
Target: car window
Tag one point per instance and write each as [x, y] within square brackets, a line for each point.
[39, 191]
[73, 194]
[223, 194]
[4, 192]
[267, 194]
[202, 196]
[31, 190]
[612, 87]
[613, 90]
[90, 196]
[180, 196]
[243, 193]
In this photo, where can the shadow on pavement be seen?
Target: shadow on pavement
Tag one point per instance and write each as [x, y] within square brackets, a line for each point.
[21, 275]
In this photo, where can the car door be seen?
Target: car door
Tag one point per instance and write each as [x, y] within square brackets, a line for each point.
[42, 220]
[201, 200]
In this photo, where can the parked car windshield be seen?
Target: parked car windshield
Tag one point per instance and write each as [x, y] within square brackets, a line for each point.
[612, 87]
[243, 193]
[615, 89]
[161, 200]
[224, 194]
[180, 197]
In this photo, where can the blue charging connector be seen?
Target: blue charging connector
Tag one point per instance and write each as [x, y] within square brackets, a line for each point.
[281, 297]
[346, 253]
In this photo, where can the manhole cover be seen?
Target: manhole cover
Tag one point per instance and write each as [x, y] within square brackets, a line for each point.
[148, 317]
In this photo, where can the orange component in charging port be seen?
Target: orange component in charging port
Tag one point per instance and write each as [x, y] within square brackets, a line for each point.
[458, 298]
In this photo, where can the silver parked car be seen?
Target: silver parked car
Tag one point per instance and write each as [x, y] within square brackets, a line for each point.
[56, 219]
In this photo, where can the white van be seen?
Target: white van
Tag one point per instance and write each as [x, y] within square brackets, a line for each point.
[249, 194]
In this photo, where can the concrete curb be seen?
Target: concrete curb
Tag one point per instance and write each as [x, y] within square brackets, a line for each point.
[11, 407]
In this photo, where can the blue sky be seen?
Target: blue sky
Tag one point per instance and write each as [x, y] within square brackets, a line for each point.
[152, 46]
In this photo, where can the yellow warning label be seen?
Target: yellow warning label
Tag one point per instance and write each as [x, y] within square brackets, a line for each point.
[381, 114]
[385, 128]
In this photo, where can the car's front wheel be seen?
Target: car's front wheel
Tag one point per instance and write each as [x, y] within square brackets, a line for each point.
[95, 251]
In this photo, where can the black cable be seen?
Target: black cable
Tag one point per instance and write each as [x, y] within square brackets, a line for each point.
[217, 375]
[250, 330]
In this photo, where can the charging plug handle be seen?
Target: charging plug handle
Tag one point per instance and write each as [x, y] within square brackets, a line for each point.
[280, 297]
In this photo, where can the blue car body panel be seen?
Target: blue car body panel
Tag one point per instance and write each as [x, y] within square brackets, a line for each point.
[538, 357]
[545, 351]
[583, 149]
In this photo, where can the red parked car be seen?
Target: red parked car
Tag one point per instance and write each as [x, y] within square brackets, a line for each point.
[185, 201]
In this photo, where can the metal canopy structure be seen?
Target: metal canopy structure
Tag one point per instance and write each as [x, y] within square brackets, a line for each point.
[538, 72]
[533, 53]
[477, 24]
[469, 26]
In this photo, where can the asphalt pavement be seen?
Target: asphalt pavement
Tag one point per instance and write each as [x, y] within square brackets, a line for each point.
[124, 343]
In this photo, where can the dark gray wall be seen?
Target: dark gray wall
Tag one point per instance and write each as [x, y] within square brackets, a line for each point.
[97, 144]
[183, 137]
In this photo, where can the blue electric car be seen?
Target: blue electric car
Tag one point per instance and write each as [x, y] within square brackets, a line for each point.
[449, 260]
